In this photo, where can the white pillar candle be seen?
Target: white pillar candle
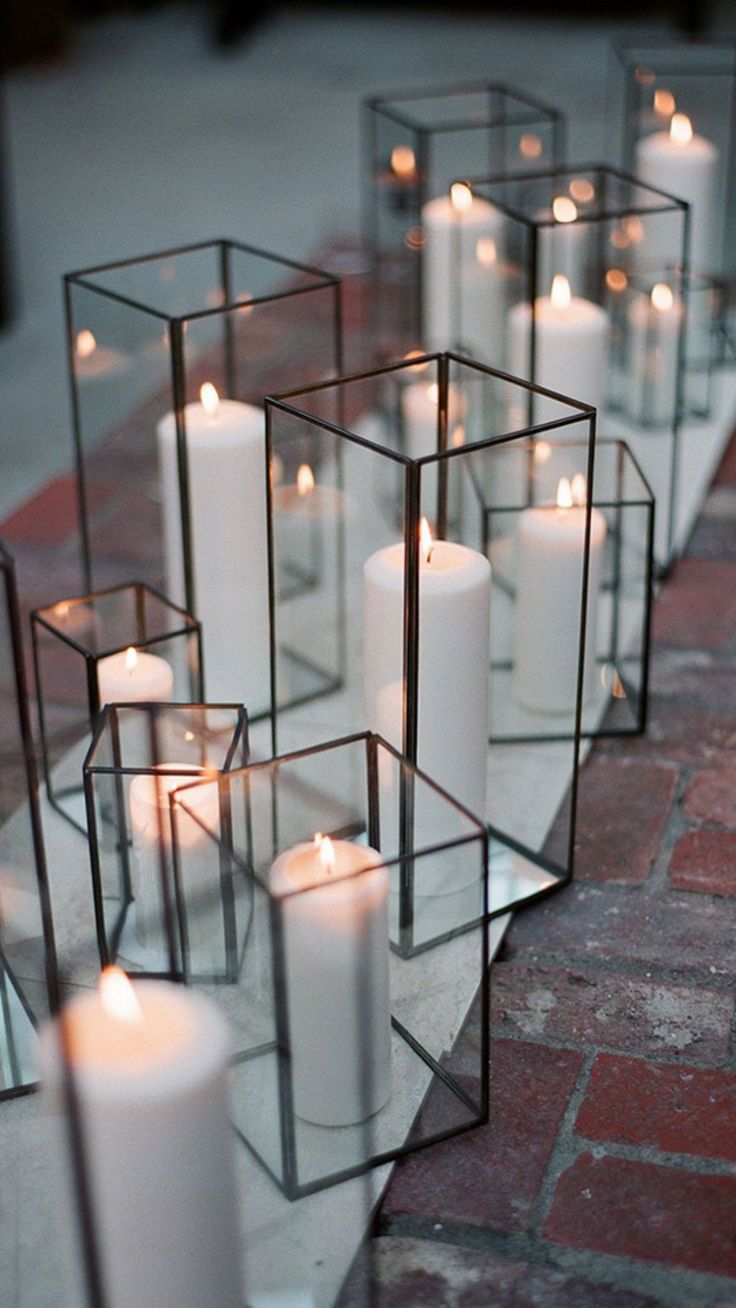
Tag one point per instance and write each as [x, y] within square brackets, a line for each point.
[454, 662]
[337, 978]
[561, 247]
[150, 1068]
[683, 165]
[150, 829]
[550, 554]
[462, 291]
[571, 347]
[133, 676]
[655, 321]
[225, 443]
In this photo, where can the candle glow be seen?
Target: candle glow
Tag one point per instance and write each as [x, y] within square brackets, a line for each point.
[661, 297]
[564, 210]
[560, 294]
[209, 399]
[403, 162]
[530, 146]
[681, 129]
[582, 190]
[131, 660]
[425, 541]
[118, 998]
[579, 490]
[485, 251]
[461, 197]
[564, 494]
[304, 480]
[86, 344]
[326, 852]
[664, 103]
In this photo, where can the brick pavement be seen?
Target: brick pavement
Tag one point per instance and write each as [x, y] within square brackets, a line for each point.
[607, 1173]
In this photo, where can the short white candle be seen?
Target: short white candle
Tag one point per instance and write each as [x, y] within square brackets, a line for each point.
[685, 166]
[550, 553]
[460, 272]
[225, 443]
[571, 348]
[133, 676]
[454, 662]
[655, 322]
[337, 978]
[150, 1068]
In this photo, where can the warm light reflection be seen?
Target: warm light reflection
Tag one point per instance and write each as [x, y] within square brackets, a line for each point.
[326, 853]
[530, 146]
[560, 294]
[131, 660]
[579, 489]
[209, 399]
[433, 393]
[426, 544]
[86, 343]
[564, 210]
[681, 129]
[304, 480]
[417, 354]
[661, 297]
[664, 103]
[582, 190]
[634, 228]
[564, 494]
[414, 238]
[458, 436]
[617, 688]
[461, 197]
[542, 451]
[118, 998]
[403, 162]
[61, 610]
[616, 279]
[485, 251]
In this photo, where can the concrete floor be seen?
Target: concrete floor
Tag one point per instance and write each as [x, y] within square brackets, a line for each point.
[145, 136]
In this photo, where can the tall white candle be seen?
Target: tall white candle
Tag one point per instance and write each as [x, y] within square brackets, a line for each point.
[133, 676]
[150, 1066]
[550, 554]
[655, 321]
[337, 978]
[571, 348]
[227, 491]
[454, 663]
[562, 245]
[462, 291]
[683, 165]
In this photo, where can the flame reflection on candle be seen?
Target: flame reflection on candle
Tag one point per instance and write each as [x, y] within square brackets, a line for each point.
[209, 399]
[118, 998]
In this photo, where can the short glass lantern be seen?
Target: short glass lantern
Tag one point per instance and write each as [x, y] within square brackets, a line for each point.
[170, 356]
[28, 972]
[347, 1052]
[415, 144]
[148, 921]
[128, 643]
[602, 260]
[399, 631]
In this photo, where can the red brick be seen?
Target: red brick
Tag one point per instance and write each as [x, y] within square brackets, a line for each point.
[609, 924]
[623, 807]
[681, 733]
[701, 679]
[491, 1176]
[680, 1110]
[704, 860]
[610, 1010]
[697, 606]
[726, 475]
[711, 796]
[50, 517]
[640, 1210]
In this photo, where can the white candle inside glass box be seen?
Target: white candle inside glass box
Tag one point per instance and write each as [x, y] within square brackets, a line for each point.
[334, 916]
[462, 286]
[655, 324]
[683, 165]
[550, 551]
[571, 336]
[150, 1067]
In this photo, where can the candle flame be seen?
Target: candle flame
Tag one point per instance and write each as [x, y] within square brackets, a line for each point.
[118, 998]
[560, 294]
[209, 399]
[461, 197]
[579, 489]
[530, 146]
[564, 210]
[86, 343]
[326, 851]
[131, 660]
[661, 297]
[681, 129]
[304, 480]
[485, 252]
[403, 161]
[426, 544]
[564, 494]
[664, 103]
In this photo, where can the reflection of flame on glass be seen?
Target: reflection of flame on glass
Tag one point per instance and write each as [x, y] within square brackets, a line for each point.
[530, 146]
[564, 494]
[564, 210]
[582, 190]
[458, 436]
[245, 302]
[634, 228]
[61, 610]
[617, 688]
[131, 660]
[416, 354]
[560, 294]
[426, 543]
[662, 297]
[616, 279]
[86, 343]
[461, 197]
[681, 129]
[403, 162]
[664, 103]
[645, 75]
[304, 480]
[579, 489]
[118, 998]
[209, 399]
[433, 393]
[414, 238]
[326, 852]
[485, 251]
[542, 451]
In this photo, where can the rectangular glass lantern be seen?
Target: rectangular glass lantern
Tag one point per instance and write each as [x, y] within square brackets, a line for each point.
[399, 632]
[28, 976]
[589, 298]
[347, 1053]
[128, 643]
[170, 356]
[415, 145]
[619, 591]
[148, 921]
